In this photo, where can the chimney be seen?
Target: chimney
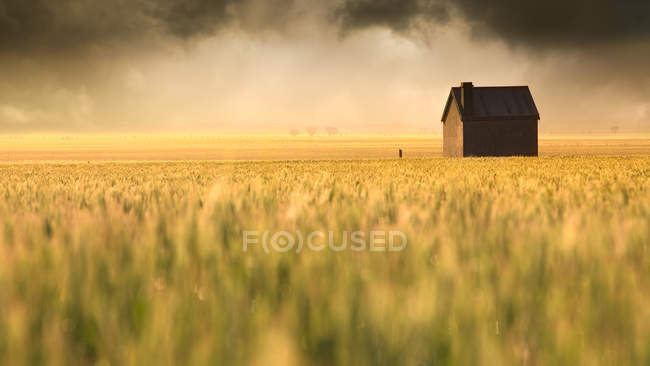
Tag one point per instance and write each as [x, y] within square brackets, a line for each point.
[466, 98]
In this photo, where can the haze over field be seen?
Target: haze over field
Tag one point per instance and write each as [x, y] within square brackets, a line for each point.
[202, 146]
[360, 66]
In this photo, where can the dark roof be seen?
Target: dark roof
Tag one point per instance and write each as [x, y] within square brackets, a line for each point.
[496, 102]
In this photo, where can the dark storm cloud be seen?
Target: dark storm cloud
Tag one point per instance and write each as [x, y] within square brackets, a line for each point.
[399, 15]
[543, 23]
[65, 26]
[70, 25]
[190, 18]
[559, 23]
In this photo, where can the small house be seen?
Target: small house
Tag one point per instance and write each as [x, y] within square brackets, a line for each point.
[490, 121]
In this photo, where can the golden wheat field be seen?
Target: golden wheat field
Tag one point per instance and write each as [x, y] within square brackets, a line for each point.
[509, 261]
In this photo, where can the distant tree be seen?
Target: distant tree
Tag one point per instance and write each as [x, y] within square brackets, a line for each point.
[615, 129]
[332, 131]
[311, 130]
[294, 132]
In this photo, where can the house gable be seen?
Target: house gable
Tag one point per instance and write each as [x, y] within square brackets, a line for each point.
[451, 100]
[452, 132]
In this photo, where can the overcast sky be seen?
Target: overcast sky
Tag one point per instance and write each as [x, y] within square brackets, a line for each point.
[257, 66]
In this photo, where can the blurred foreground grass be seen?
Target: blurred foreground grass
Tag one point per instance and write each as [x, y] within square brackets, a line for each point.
[510, 261]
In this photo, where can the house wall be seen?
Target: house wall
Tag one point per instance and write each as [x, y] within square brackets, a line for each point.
[500, 138]
[452, 134]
